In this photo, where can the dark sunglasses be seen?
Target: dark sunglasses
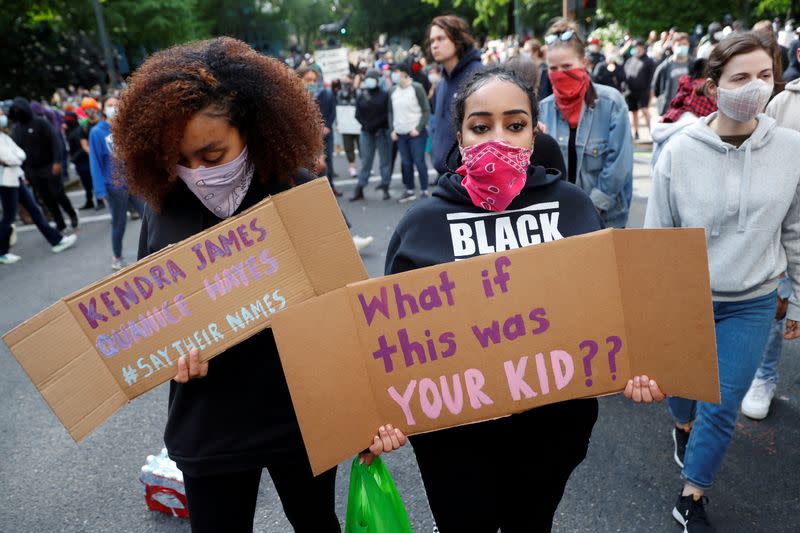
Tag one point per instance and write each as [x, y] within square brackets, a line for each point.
[564, 36]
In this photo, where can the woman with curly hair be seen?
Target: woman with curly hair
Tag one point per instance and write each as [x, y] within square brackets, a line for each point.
[204, 131]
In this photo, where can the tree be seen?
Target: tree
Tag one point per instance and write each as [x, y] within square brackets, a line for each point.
[642, 16]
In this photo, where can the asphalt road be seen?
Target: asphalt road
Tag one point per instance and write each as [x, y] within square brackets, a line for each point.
[627, 483]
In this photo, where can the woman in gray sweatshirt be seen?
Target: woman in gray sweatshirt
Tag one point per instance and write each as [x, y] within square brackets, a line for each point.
[731, 174]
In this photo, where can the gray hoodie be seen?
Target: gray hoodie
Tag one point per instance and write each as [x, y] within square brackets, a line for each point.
[746, 198]
[785, 108]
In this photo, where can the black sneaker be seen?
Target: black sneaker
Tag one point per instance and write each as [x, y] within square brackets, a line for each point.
[357, 195]
[680, 438]
[386, 195]
[691, 514]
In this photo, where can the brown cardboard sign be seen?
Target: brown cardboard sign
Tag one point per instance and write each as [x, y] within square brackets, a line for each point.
[100, 347]
[499, 334]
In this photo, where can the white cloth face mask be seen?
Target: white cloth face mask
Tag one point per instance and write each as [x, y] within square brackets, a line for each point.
[221, 188]
[745, 102]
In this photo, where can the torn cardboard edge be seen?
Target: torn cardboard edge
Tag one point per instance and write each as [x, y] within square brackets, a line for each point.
[73, 377]
[663, 295]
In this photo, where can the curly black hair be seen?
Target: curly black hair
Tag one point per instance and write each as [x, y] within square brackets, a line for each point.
[262, 97]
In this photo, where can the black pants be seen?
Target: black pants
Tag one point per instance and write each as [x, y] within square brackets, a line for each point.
[508, 473]
[50, 189]
[84, 171]
[227, 502]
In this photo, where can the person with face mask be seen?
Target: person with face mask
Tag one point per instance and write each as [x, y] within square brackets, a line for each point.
[327, 106]
[108, 183]
[408, 117]
[590, 123]
[205, 131]
[668, 74]
[372, 112]
[729, 173]
[639, 69]
[495, 185]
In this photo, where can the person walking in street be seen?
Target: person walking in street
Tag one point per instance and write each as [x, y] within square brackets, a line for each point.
[609, 72]
[107, 185]
[668, 74]
[590, 123]
[14, 192]
[408, 117]
[495, 116]
[372, 112]
[218, 115]
[729, 173]
[78, 143]
[639, 69]
[326, 101]
[43, 149]
[452, 46]
[346, 97]
[785, 109]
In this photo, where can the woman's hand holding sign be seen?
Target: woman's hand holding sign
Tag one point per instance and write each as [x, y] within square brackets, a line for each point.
[389, 438]
[191, 367]
[642, 389]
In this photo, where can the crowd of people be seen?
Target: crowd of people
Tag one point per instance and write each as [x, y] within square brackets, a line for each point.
[45, 141]
[506, 126]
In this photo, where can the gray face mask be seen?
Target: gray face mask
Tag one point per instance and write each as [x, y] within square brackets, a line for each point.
[745, 102]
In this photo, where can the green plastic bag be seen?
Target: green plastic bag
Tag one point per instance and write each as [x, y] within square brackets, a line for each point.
[373, 505]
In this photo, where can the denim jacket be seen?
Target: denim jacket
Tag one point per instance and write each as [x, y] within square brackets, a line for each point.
[604, 151]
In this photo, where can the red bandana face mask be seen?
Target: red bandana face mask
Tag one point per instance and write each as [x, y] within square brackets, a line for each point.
[494, 173]
[569, 87]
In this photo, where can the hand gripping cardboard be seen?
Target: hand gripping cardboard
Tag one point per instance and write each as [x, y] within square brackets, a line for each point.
[94, 350]
[462, 342]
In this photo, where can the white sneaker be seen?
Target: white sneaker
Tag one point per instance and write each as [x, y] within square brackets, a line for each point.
[12, 240]
[65, 242]
[353, 172]
[116, 263]
[362, 242]
[9, 258]
[758, 399]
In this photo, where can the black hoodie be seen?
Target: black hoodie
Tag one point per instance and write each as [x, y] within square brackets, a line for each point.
[37, 138]
[449, 226]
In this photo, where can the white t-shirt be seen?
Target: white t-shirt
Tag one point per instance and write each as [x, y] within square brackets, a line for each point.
[406, 110]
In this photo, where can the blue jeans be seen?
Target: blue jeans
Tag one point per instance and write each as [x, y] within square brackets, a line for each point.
[768, 370]
[367, 144]
[118, 205]
[9, 198]
[412, 154]
[742, 329]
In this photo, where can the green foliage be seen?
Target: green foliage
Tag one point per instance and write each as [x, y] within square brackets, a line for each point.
[642, 16]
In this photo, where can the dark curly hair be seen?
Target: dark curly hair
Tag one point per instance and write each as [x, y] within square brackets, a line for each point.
[262, 97]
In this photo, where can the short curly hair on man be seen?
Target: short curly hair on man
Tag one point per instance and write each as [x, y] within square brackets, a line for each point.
[263, 98]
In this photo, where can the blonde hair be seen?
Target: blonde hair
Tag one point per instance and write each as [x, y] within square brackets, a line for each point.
[562, 25]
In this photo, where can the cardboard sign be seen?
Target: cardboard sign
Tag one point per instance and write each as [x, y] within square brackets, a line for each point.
[333, 62]
[499, 334]
[99, 348]
[346, 120]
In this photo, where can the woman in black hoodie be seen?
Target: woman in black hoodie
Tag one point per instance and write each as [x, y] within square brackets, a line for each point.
[470, 481]
[218, 114]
